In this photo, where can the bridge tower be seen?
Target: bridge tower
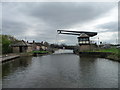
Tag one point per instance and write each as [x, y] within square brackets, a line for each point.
[83, 38]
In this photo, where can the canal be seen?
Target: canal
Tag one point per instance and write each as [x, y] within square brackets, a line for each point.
[60, 70]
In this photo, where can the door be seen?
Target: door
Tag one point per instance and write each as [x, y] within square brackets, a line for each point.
[20, 49]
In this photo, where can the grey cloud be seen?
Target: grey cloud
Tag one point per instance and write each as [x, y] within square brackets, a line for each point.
[67, 14]
[111, 27]
[20, 17]
[11, 27]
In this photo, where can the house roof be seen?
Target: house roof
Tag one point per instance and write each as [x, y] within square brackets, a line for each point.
[38, 44]
[20, 43]
[84, 35]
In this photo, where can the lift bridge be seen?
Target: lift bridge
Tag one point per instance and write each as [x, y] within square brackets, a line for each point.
[83, 38]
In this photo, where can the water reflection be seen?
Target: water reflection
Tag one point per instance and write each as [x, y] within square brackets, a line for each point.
[12, 66]
[97, 72]
[60, 71]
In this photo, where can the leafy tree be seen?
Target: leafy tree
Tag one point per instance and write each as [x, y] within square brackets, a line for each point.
[7, 40]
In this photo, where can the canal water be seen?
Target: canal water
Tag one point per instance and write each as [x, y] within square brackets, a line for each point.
[63, 69]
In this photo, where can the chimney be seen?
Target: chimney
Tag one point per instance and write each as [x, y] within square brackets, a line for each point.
[23, 41]
[33, 41]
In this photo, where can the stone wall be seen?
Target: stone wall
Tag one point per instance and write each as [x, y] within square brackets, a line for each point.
[86, 47]
[24, 49]
[15, 49]
[29, 49]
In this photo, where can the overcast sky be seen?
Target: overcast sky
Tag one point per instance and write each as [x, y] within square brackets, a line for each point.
[39, 21]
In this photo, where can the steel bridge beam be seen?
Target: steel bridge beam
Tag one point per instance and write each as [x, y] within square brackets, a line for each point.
[91, 34]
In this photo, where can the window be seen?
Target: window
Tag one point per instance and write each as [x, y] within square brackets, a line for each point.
[84, 40]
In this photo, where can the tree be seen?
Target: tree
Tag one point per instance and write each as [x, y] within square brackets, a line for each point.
[7, 40]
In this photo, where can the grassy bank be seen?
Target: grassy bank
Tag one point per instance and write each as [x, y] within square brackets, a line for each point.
[115, 53]
[109, 53]
[112, 50]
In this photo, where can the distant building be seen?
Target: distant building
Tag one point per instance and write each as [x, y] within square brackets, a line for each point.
[38, 46]
[21, 46]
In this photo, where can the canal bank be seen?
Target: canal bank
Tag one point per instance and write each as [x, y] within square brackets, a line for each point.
[11, 56]
[8, 57]
[107, 55]
[110, 53]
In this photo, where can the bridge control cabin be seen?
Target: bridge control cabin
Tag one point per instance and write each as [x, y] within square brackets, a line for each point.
[83, 38]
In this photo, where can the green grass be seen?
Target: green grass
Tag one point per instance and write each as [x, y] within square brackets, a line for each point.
[115, 53]
[40, 52]
[112, 50]
[109, 50]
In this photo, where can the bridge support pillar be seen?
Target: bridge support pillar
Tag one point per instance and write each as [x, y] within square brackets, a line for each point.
[86, 47]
